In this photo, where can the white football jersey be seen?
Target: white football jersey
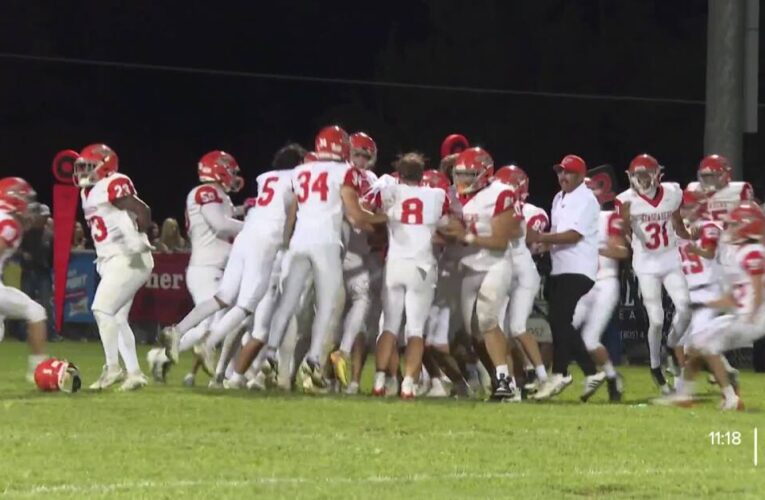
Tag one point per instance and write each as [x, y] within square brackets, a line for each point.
[750, 261]
[610, 224]
[721, 202]
[654, 244]
[477, 212]
[268, 214]
[317, 188]
[207, 249]
[10, 234]
[534, 218]
[114, 231]
[355, 240]
[699, 271]
[413, 214]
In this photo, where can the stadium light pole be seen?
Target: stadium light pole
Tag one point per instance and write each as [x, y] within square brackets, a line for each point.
[731, 80]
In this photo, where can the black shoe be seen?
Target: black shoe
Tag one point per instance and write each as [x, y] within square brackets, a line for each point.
[503, 389]
[658, 377]
[615, 388]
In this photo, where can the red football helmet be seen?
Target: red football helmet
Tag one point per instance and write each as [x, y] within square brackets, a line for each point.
[644, 173]
[94, 163]
[310, 156]
[16, 194]
[454, 143]
[746, 222]
[57, 375]
[362, 144]
[514, 176]
[435, 179]
[220, 167]
[714, 173]
[473, 170]
[333, 143]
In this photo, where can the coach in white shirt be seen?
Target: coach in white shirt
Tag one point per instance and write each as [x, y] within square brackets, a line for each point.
[573, 242]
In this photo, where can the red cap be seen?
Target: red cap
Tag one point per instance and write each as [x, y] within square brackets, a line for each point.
[572, 163]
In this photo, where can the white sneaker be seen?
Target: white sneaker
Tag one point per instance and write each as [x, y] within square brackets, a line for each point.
[391, 386]
[257, 383]
[591, 384]
[108, 378]
[553, 386]
[133, 381]
[216, 382]
[171, 339]
[666, 390]
[437, 390]
[207, 356]
[352, 389]
[189, 380]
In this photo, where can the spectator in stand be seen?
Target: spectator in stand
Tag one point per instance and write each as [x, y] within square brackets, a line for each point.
[36, 262]
[171, 240]
[79, 242]
[154, 235]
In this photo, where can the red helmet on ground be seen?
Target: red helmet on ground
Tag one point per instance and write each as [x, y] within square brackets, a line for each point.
[746, 222]
[310, 156]
[95, 162]
[362, 144]
[221, 167]
[435, 179]
[514, 176]
[714, 173]
[16, 194]
[473, 170]
[54, 375]
[454, 143]
[333, 143]
[644, 173]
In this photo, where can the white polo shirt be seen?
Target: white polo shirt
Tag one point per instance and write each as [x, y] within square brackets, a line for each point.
[578, 210]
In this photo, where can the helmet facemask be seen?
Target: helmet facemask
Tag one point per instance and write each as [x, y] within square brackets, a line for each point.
[84, 171]
[645, 181]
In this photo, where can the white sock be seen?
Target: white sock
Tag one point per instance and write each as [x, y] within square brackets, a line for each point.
[728, 392]
[687, 388]
[541, 372]
[408, 384]
[679, 383]
[126, 343]
[109, 331]
[201, 312]
[608, 367]
[436, 384]
[379, 380]
[726, 364]
[502, 370]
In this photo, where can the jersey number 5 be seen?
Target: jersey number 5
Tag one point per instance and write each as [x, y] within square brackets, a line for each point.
[267, 192]
[97, 228]
[319, 185]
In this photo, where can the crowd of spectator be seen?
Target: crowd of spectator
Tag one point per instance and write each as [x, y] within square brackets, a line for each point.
[167, 239]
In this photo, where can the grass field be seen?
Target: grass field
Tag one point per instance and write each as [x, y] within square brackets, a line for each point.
[175, 442]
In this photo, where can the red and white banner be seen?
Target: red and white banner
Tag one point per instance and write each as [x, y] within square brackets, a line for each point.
[164, 299]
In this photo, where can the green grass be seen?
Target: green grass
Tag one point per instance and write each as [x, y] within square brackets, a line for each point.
[174, 442]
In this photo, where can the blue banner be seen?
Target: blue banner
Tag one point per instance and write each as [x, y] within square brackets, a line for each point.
[80, 288]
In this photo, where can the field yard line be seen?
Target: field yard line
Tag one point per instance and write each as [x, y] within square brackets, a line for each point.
[103, 488]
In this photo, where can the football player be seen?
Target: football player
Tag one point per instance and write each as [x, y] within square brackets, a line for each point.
[746, 324]
[414, 212]
[211, 227]
[118, 221]
[324, 191]
[594, 310]
[650, 211]
[491, 212]
[15, 197]
[722, 194]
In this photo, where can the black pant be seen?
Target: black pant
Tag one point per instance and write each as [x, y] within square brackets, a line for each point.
[565, 292]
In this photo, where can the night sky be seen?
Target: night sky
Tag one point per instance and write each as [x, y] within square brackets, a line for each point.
[161, 122]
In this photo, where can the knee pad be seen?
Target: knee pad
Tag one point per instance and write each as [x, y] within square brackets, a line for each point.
[413, 334]
[655, 314]
[486, 309]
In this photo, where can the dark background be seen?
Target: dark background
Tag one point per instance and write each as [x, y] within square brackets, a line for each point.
[161, 122]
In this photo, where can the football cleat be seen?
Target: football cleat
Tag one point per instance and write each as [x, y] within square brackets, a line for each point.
[591, 384]
[207, 356]
[107, 378]
[133, 382]
[159, 363]
[171, 340]
[505, 389]
[615, 388]
[340, 365]
[189, 380]
[732, 404]
[554, 385]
